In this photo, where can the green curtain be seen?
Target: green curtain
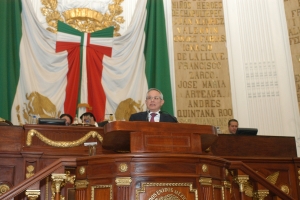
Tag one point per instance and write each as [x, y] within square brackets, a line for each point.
[10, 36]
[156, 52]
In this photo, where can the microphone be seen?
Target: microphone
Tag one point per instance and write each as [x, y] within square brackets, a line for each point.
[147, 117]
[174, 118]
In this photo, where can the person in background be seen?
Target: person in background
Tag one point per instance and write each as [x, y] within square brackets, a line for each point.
[233, 125]
[68, 118]
[154, 101]
[88, 118]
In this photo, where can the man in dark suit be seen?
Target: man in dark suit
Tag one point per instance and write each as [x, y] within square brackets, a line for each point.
[154, 101]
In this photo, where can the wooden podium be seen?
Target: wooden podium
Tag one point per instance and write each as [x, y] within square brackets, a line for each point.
[152, 161]
[142, 160]
[139, 137]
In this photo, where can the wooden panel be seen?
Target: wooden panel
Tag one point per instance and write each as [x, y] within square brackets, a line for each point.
[254, 146]
[80, 194]
[11, 138]
[7, 173]
[165, 142]
[102, 192]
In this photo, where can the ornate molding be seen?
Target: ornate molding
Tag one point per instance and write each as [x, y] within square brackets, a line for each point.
[61, 144]
[30, 171]
[81, 184]
[148, 184]
[4, 188]
[204, 168]
[205, 181]
[123, 167]
[32, 194]
[261, 194]
[82, 170]
[241, 180]
[285, 189]
[83, 19]
[101, 186]
[227, 184]
[273, 177]
[123, 181]
[59, 181]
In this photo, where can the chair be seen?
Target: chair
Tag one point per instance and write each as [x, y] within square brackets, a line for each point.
[4, 122]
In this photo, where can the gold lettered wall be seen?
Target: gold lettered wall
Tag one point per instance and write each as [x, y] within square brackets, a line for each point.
[201, 64]
[292, 12]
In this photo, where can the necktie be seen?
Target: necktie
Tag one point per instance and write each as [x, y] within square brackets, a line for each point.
[152, 117]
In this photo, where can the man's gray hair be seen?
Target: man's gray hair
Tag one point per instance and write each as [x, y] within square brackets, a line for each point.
[161, 94]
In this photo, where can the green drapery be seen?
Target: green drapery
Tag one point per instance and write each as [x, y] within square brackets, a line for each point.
[156, 52]
[10, 36]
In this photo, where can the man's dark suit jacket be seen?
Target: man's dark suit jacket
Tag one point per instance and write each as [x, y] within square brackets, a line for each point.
[143, 116]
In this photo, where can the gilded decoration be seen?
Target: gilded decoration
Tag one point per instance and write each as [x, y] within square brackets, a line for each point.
[204, 168]
[163, 185]
[4, 188]
[81, 184]
[84, 19]
[261, 194]
[247, 187]
[123, 167]
[220, 188]
[126, 108]
[2, 120]
[227, 185]
[226, 172]
[62, 144]
[101, 187]
[32, 194]
[30, 171]
[273, 177]
[59, 181]
[242, 181]
[47, 186]
[205, 181]
[123, 181]
[285, 189]
[36, 105]
[82, 170]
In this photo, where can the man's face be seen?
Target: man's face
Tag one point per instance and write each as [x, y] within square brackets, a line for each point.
[153, 101]
[68, 120]
[233, 126]
[88, 120]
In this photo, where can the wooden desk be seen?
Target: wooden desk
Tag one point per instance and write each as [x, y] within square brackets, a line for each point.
[137, 137]
[229, 145]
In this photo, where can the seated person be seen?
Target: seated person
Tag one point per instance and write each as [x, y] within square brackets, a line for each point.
[68, 118]
[154, 101]
[88, 118]
[233, 125]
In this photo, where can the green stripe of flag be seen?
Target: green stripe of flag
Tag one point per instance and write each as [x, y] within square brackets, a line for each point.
[156, 52]
[10, 37]
[104, 33]
[65, 28]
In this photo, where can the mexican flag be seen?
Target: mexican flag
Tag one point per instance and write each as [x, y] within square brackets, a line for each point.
[110, 75]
